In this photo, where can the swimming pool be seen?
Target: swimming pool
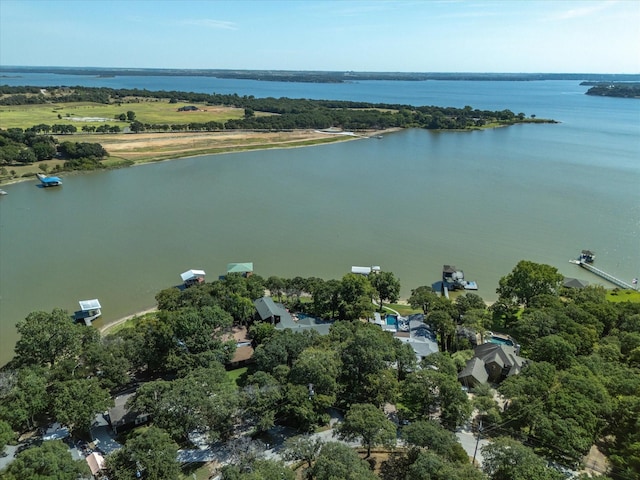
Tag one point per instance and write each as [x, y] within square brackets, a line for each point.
[501, 341]
[392, 319]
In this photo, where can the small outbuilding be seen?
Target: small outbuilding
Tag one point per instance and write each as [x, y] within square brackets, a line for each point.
[192, 277]
[89, 311]
[96, 463]
[245, 268]
[365, 270]
[574, 283]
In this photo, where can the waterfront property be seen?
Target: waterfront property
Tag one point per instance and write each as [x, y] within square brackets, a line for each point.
[277, 314]
[89, 311]
[410, 330]
[192, 277]
[453, 279]
[46, 181]
[245, 268]
[365, 270]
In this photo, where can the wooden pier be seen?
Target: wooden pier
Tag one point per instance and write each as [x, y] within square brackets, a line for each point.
[607, 276]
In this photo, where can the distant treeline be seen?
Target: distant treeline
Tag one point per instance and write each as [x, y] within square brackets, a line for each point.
[622, 90]
[287, 113]
[319, 76]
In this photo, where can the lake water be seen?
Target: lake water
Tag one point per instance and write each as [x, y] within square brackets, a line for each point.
[410, 202]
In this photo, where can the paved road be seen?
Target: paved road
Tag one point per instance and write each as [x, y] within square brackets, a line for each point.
[468, 441]
[7, 457]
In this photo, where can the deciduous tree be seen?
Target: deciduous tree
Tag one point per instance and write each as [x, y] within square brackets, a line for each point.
[386, 287]
[149, 453]
[528, 280]
[50, 461]
[46, 338]
[369, 424]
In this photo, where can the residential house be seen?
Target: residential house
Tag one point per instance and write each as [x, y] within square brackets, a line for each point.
[276, 313]
[121, 418]
[491, 362]
[412, 331]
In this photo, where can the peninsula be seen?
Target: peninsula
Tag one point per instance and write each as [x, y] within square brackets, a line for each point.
[136, 126]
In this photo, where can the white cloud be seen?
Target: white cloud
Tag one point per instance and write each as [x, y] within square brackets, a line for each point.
[584, 11]
[209, 23]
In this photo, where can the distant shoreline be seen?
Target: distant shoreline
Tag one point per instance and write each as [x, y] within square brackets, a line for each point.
[306, 76]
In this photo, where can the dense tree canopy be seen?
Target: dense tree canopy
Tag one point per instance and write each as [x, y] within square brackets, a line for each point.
[369, 424]
[528, 280]
[149, 453]
[50, 461]
[580, 386]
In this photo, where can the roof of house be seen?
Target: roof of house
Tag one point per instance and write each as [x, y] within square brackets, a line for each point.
[240, 267]
[504, 356]
[119, 413]
[574, 283]
[96, 462]
[475, 369]
[267, 308]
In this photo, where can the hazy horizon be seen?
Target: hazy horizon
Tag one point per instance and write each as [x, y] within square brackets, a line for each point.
[452, 72]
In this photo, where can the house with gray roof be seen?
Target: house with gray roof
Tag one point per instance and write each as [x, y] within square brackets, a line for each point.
[122, 418]
[493, 363]
[277, 314]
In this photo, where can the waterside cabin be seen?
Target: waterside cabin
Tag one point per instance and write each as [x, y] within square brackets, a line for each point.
[244, 268]
[586, 256]
[89, 311]
[192, 277]
[453, 279]
[48, 181]
[365, 270]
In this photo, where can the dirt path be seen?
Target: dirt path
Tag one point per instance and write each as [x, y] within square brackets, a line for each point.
[105, 328]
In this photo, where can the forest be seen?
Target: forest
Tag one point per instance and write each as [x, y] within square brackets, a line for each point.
[621, 90]
[34, 145]
[581, 386]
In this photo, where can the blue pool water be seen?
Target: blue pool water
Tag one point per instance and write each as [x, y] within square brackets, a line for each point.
[392, 319]
[501, 341]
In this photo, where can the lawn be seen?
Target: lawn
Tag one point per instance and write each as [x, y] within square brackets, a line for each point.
[153, 111]
[618, 295]
[236, 375]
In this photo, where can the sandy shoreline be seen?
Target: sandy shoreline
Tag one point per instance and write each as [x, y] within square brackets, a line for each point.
[105, 328]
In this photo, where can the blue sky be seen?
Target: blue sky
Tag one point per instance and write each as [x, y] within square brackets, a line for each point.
[411, 36]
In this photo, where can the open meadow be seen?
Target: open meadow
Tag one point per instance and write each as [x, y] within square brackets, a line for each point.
[79, 114]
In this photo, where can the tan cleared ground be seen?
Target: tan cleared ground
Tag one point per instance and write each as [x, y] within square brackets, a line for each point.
[146, 147]
[139, 148]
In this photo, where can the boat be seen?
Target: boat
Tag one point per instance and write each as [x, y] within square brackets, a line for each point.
[453, 279]
[586, 256]
[46, 181]
[2, 192]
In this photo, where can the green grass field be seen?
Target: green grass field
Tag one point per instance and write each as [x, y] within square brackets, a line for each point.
[154, 112]
[617, 295]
